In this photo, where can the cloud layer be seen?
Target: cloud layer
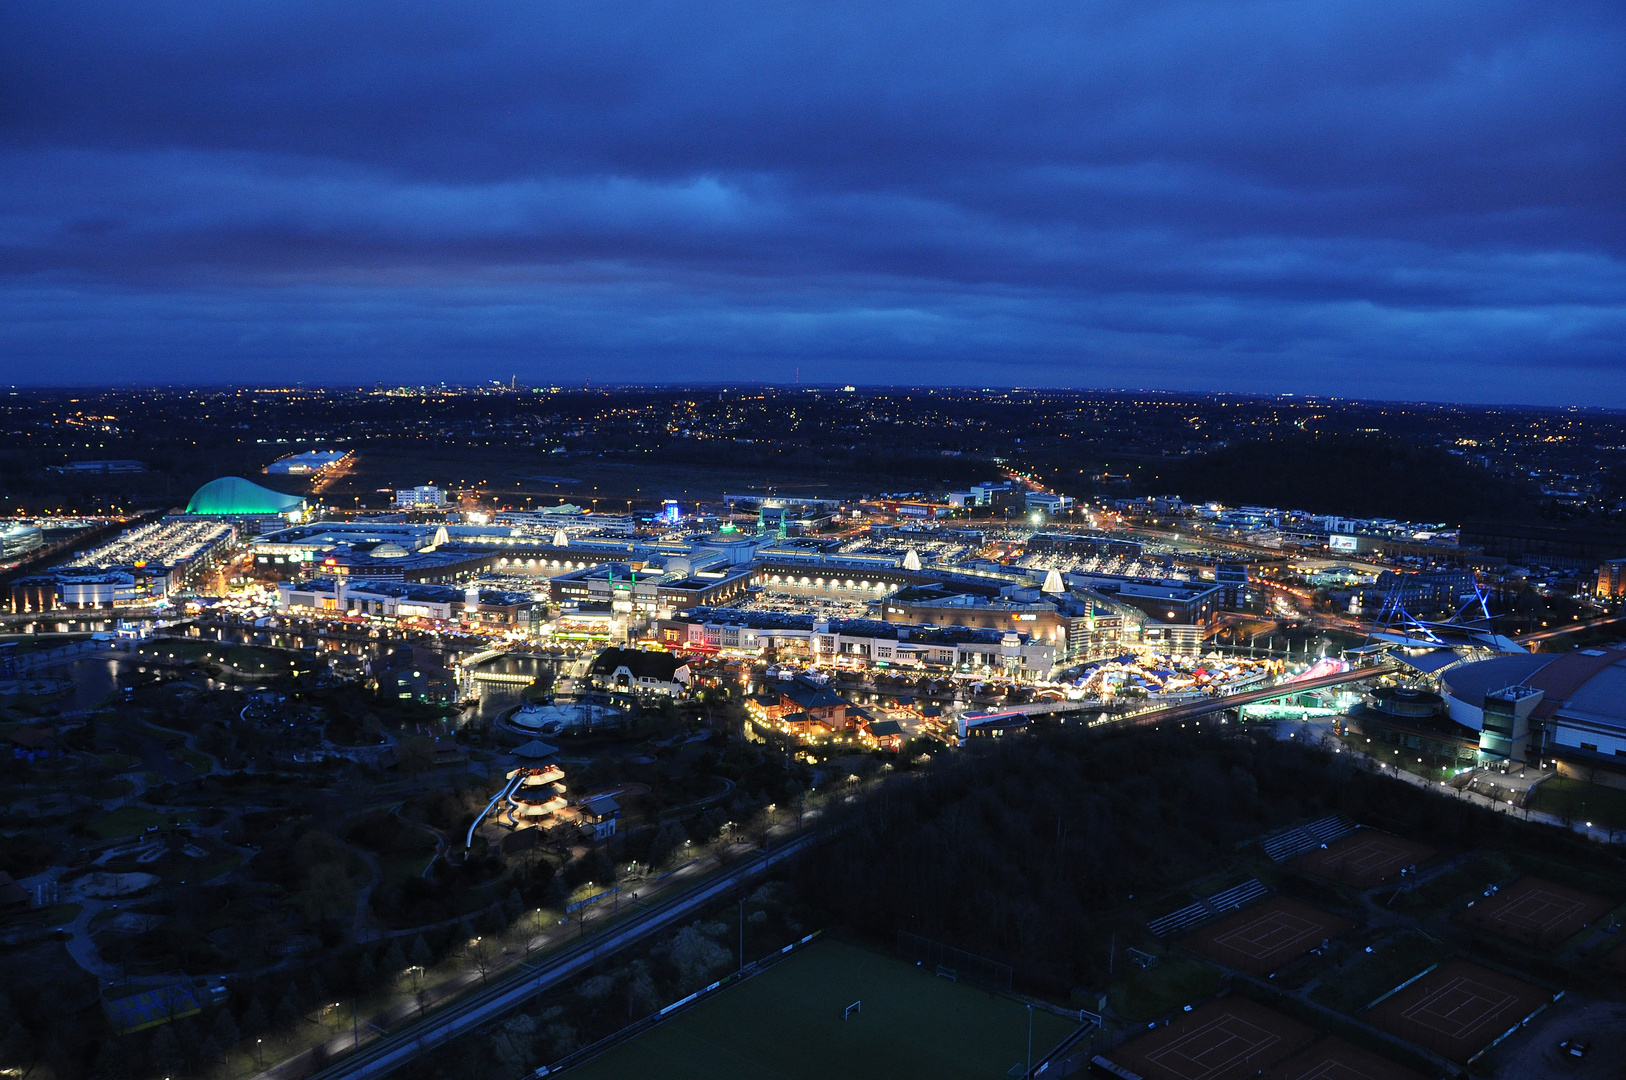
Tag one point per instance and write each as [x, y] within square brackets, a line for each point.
[1375, 199]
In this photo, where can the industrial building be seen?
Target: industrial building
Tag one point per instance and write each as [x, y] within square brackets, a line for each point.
[307, 463]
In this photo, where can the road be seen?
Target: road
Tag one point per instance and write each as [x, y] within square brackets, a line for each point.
[1570, 628]
[1191, 710]
[385, 1054]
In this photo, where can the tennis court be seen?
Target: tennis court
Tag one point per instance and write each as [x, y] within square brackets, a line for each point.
[1222, 1040]
[1365, 858]
[787, 1023]
[1263, 938]
[1334, 1059]
[1458, 1008]
[1536, 912]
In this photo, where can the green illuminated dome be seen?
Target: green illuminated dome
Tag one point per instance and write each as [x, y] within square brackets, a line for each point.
[234, 495]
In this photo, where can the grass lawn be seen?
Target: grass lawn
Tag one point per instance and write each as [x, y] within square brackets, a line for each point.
[243, 657]
[1581, 801]
[1387, 967]
[126, 821]
[1139, 994]
[786, 1024]
[1455, 887]
[201, 764]
[49, 915]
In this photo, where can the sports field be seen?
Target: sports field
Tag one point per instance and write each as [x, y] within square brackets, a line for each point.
[1334, 1059]
[786, 1023]
[1365, 858]
[1264, 937]
[1536, 912]
[1223, 1040]
[1458, 1008]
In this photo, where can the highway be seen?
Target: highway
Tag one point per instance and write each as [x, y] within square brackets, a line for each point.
[396, 1049]
[1193, 709]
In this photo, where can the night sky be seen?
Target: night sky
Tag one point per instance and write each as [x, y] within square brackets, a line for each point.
[1378, 199]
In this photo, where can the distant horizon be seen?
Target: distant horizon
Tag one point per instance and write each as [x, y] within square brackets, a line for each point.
[533, 386]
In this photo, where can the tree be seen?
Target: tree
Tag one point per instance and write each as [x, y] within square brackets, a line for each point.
[254, 1018]
[225, 1029]
[419, 952]
[395, 960]
[514, 906]
[415, 755]
[366, 973]
[166, 1050]
[286, 1012]
[494, 920]
[482, 955]
[110, 1063]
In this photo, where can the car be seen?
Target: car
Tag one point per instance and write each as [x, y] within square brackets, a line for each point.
[1574, 1048]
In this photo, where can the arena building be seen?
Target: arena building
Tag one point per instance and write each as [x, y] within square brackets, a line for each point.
[234, 497]
[1570, 707]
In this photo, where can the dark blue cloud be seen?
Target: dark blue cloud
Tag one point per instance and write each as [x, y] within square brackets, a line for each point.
[1359, 198]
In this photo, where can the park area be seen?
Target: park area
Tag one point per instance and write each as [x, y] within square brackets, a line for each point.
[788, 1023]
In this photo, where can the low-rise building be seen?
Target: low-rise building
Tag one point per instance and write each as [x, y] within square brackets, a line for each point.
[639, 671]
[407, 600]
[424, 496]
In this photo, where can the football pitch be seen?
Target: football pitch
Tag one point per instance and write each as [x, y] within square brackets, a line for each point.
[786, 1023]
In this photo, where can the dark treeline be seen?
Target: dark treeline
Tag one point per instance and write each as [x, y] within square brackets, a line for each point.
[1358, 475]
[1030, 850]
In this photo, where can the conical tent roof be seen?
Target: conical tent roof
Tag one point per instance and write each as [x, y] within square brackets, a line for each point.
[232, 495]
[535, 750]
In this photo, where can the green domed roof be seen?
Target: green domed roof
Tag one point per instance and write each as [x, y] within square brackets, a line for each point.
[234, 495]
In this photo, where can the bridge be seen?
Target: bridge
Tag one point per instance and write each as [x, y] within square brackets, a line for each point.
[1193, 710]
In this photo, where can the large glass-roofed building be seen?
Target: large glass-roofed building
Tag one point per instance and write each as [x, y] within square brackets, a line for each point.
[232, 496]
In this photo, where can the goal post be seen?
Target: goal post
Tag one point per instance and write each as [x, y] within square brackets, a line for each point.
[853, 1009]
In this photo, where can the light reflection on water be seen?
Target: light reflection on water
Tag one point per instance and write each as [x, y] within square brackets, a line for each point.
[96, 678]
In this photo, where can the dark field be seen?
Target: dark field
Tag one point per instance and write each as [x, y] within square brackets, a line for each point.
[787, 1023]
